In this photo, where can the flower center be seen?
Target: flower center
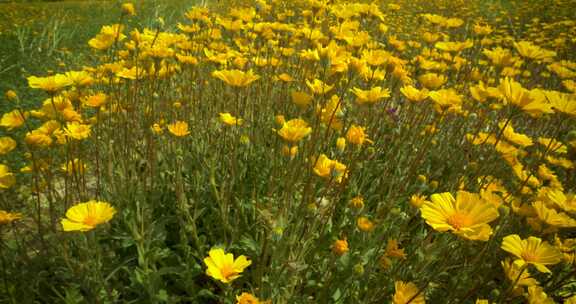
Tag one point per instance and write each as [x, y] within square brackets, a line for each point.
[458, 220]
[90, 220]
[528, 256]
[227, 271]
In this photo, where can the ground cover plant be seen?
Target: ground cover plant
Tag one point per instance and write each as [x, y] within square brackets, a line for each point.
[297, 152]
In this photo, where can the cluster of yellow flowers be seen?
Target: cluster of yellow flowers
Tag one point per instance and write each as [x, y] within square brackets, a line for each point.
[385, 139]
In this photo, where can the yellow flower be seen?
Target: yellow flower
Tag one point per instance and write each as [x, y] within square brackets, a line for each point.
[532, 102]
[7, 144]
[467, 216]
[236, 78]
[364, 224]
[77, 130]
[357, 202]
[341, 144]
[371, 96]
[432, 81]
[11, 95]
[79, 78]
[128, 9]
[7, 178]
[532, 51]
[407, 293]
[301, 99]
[512, 136]
[294, 130]
[13, 119]
[49, 84]
[230, 120]
[356, 135]
[562, 103]
[413, 94]
[532, 251]
[318, 87]
[393, 250]
[179, 128]
[327, 168]
[223, 267]
[417, 200]
[109, 34]
[38, 138]
[553, 217]
[8, 217]
[96, 100]
[340, 247]
[445, 99]
[247, 298]
[515, 274]
[536, 295]
[86, 216]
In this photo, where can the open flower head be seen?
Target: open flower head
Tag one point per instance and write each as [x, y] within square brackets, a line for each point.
[7, 178]
[294, 130]
[179, 128]
[223, 267]
[230, 120]
[8, 217]
[532, 251]
[466, 216]
[86, 216]
[49, 84]
[236, 78]
[407, 292]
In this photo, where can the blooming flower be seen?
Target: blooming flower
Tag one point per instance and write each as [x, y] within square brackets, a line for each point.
[340, 247]
[467, 216]
[230, 120]
[7, 178]
[12, 119]
[223, 267]
[49, 84]
[77, 130]
[7, 144]
[407, 292]
[294, 130]
[8, 217]
[86, 216]
[372, 96]
[236, 78]
[356, 135]
[532, 251]
[179, 128]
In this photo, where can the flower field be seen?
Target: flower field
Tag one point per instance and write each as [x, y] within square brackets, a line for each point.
[308, 151]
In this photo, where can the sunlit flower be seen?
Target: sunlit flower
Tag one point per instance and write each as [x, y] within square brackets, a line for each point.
[294, 130]
[532, 251]
[230, 120]
[319, 87]
[223, 267]
[7, 144]
[247, 298]
[364, 224]
[86, 216]
[179, 128]
[467, 216]
[128, 9]
[340, 247]
[13, 119]
[8, 217]
[407, 292]
[7, 178]
[49, 84]
[236, 78]
[356, 135]
[77, 130]
[371, 96]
